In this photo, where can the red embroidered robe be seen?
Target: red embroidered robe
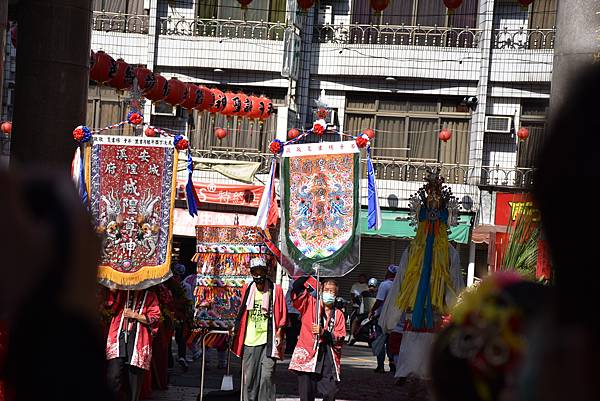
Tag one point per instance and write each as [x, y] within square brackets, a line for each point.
[304, 358]
[277, 320]
[145, 303]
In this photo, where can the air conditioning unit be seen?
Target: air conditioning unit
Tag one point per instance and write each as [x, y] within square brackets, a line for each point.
[325, 15]
[499, 124]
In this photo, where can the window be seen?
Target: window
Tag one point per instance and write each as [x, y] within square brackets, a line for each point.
[407, 128]
[416, 12]
[258, 10]
[424, 13]
[135, 7]
[542, 20]
[533, 116]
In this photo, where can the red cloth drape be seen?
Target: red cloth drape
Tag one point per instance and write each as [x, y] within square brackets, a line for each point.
[157, 377]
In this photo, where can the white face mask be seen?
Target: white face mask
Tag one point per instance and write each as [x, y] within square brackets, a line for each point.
[328, 298]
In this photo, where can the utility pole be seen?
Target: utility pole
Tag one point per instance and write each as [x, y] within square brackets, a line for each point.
[51, 80]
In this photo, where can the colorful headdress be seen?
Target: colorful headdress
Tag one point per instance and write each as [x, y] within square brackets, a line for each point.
[258, 262]
[436, 198]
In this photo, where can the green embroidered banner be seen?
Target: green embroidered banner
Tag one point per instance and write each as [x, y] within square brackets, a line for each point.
[321, 205]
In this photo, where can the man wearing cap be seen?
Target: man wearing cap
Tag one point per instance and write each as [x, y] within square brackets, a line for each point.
[258, 333]
[382, 292]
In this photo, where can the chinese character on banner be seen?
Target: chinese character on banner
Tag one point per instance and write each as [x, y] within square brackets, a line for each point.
[131, 189]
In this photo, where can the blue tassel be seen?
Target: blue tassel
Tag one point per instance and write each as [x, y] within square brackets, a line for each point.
[82, 188]
[191, 196]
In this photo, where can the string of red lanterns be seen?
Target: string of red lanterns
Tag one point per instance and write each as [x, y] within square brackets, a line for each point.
[154, 87]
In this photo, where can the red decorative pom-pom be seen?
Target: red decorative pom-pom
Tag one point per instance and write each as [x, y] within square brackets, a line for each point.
[369, 132]
[150, 132]
[318, 129]
[182, 144]
[361, 141]
[136, 118]
[78, 134]
[275, 147]
[322, 113]
[6, 127]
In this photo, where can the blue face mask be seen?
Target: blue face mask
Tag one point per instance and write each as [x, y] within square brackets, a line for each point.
[328, 298]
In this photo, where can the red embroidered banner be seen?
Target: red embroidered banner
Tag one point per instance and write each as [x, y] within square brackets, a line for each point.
[131, 183]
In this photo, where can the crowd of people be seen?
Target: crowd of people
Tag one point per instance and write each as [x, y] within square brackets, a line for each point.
[506, 339]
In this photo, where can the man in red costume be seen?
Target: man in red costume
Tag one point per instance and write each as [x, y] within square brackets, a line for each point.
[317, 356]
[129, 342]
[258, 335]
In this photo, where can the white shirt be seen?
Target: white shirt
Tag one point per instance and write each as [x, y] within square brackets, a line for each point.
[358, 288]
[382, 293]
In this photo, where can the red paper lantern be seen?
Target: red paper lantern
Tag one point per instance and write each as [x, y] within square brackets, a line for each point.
[6, 127]
[219, 102]
[244, 3]
[306, 4]
[220, 133]
[105, 68]
[232, 104]
[176, 92]
[293, 133]
[123, 79]
[523, 133]
[150, 132]
[452, 4]
[255, 111]
[159, 90]
[369, 132]
[194, 97]
[145, 78]
[445, 135]
[243, 105]
[523, 3]
[379, 5]
[207, 100]
[268, 108]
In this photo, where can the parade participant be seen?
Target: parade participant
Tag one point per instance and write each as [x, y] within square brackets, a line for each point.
[317, 356]
[382, 293]
[293, 327]
[479, 355]
[129, 342]
[258, 334]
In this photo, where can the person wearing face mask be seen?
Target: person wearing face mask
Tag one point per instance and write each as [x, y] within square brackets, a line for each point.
[258, 333]
[316, 358]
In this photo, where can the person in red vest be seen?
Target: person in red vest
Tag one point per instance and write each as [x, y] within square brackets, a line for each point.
[129, 342]
[258, 335]
[317, 356]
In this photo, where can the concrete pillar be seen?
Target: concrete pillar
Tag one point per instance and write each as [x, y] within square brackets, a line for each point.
[577, 44]
[51, 82]
[3, 33]
[486, 17]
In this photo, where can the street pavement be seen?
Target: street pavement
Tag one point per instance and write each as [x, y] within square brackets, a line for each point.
[358, 381]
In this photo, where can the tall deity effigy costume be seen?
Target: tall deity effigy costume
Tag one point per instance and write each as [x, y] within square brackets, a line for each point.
[429, 277]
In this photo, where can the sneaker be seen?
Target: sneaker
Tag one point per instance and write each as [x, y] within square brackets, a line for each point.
[379, 370]
[183, 363]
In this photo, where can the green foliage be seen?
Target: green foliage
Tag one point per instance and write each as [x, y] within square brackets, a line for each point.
[522, 247]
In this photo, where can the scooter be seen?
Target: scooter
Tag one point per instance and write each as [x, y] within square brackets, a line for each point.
[366, 331]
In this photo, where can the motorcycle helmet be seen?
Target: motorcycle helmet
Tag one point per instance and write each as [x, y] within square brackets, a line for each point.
[373, 282]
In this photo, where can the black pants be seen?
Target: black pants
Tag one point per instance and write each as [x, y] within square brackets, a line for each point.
[125, 380]
[181, 340]
[324, 383]
[292, 332]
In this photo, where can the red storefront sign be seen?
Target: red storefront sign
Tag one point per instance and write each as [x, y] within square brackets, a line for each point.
[509, 206]
[226, 194]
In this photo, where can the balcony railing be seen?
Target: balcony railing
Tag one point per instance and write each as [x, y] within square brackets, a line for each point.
[397, 170]
[398, 35]
[521, 38]
[222, 28]
[117, 22]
